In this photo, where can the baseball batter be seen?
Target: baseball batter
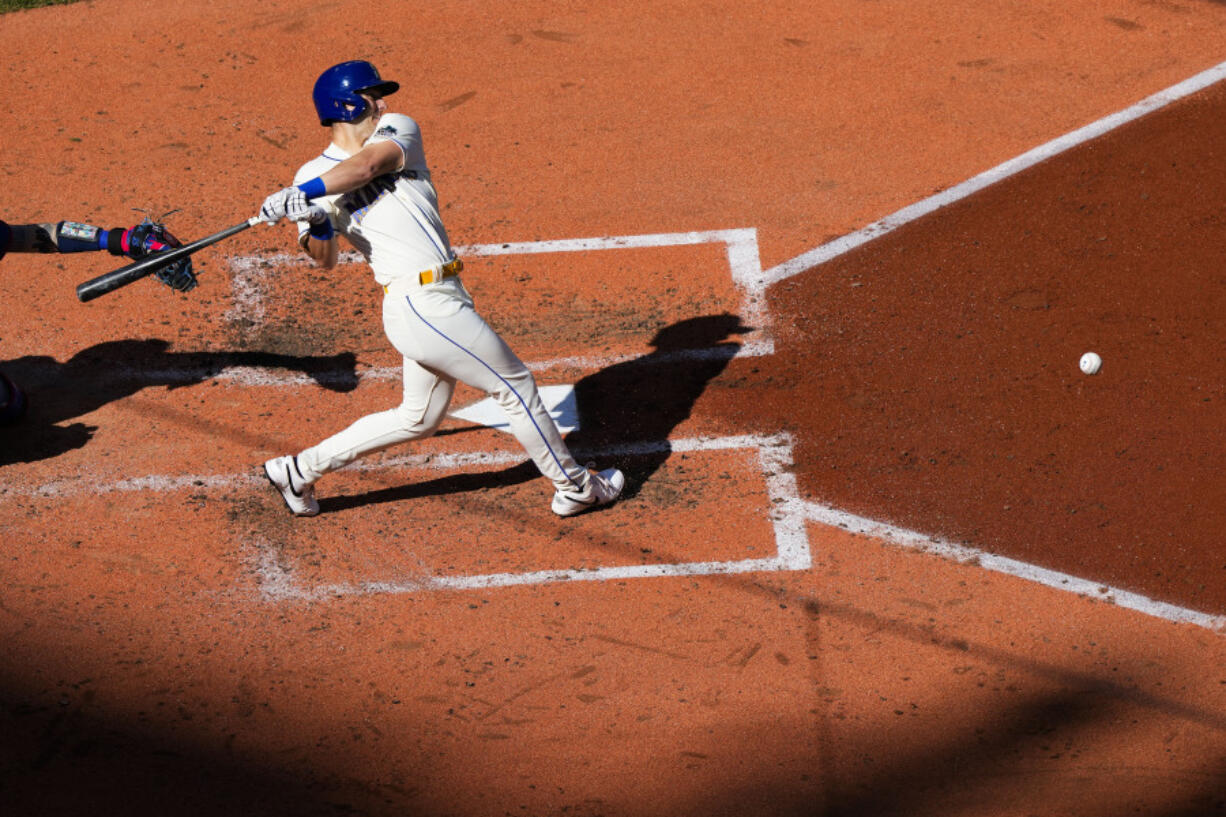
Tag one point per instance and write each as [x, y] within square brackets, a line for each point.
[74, 236]
[372, 185]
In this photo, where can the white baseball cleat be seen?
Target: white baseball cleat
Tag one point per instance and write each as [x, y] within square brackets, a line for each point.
[602, 489]
[298, 494]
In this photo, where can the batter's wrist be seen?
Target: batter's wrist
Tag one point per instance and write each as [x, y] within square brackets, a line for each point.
[322, 231]
[314, 188]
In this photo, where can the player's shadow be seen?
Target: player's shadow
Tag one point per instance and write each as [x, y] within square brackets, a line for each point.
[632, 408]
[626, 413]
[61, 392]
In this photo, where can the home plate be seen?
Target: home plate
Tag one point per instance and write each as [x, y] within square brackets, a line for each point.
[559, 401]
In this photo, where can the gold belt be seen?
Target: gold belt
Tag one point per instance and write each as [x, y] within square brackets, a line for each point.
[431, 276]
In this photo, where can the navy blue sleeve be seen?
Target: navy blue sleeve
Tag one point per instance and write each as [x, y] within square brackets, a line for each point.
[4, 237]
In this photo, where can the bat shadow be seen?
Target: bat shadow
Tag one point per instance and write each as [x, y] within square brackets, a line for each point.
[60, 393]
[633, 405]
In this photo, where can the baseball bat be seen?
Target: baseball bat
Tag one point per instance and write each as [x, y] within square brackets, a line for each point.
[113, 280]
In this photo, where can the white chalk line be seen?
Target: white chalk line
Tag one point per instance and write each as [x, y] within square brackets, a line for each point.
[742, 244]
[774, 456]
[820, 255]
[959, 553]
[250, 274]
[243, 375]
[774, 453]
[85, 484]
[912, 540]
[787, 511]
[749, 276]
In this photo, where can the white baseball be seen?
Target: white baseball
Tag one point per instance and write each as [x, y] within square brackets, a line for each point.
[1090, 363]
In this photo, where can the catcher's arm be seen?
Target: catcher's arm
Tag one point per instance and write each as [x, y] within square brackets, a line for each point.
[135, 242]
[45, 238]
[113, 280]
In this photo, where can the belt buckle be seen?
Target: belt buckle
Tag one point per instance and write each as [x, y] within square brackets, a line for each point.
[447, 270]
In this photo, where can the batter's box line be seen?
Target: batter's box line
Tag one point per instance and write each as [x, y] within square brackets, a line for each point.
[250, 272]
[788, 513]
[277, 583]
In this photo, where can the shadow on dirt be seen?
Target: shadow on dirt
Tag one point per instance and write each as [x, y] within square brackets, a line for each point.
[1049, 739]
[634, 404]
[994, 762]
[61, 392]
[72, 758]
[638, 403]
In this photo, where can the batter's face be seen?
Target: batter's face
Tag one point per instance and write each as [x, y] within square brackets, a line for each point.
[375, 108]
[359, 130]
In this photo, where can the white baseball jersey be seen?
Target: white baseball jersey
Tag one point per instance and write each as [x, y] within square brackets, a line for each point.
[394, 220]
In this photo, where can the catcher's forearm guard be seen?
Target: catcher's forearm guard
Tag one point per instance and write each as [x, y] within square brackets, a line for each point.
[76, 236]
[136, 242]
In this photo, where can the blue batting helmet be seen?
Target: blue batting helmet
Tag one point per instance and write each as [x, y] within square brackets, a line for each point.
[336, 91]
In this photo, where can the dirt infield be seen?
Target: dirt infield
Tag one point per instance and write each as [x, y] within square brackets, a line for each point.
[757, 628]
[954, 342]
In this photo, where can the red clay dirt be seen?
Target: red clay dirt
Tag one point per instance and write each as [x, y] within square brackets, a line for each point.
[953, 345]
[177, 644]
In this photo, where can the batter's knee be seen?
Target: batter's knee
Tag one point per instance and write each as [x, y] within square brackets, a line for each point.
[418, 424]
[517, 390]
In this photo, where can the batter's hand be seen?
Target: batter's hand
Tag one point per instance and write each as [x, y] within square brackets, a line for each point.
[276, 206]
[291, 203]
[297, 208]
[314, 215]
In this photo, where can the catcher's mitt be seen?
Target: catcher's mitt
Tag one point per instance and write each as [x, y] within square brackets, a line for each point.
[150, 237]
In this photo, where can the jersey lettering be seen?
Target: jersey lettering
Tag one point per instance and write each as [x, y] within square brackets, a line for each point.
[393, 221]
[367, 195]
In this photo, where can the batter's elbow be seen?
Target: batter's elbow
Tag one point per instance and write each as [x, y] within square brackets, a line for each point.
[368, 171]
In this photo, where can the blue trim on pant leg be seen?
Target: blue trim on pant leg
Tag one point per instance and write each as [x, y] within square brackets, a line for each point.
[494, 372]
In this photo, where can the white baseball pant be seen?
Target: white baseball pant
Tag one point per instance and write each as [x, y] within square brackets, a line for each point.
[443, 339]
